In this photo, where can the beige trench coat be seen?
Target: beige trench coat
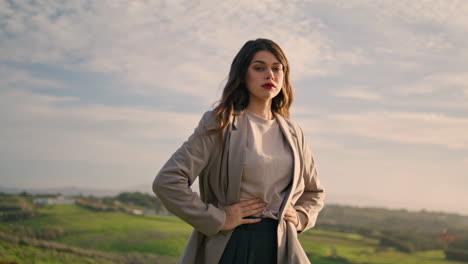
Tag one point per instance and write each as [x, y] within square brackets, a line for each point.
[220, 178]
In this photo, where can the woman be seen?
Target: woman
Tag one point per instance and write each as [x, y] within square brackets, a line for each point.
[258, 181]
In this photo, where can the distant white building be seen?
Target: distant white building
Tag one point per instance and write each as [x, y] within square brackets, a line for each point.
[57, 200]
[137, 212]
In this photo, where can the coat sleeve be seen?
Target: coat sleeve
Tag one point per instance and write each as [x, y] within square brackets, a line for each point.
[310, 203]
[172, 183]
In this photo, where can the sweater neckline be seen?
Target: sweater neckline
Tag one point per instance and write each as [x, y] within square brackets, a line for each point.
[260, 120]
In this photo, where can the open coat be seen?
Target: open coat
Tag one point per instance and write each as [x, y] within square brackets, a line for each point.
[220, 174]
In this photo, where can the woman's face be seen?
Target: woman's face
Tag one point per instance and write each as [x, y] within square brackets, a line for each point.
[264, 76]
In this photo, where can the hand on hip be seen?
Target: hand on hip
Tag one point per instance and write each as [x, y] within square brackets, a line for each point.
[235, 213]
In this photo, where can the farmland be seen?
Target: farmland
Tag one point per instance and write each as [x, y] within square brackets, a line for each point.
[145, 237]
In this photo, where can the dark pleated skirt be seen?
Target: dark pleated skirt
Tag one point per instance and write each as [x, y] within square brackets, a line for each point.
[252, 244]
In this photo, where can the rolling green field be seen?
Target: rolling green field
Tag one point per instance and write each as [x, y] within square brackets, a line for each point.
[26, 254]
[166, 236]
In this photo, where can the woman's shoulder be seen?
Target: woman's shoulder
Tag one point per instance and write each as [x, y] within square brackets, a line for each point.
[293, 126]
[208, 120]
[208, 115]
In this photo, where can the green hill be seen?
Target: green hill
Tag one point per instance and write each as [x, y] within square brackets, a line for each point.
[109, 231]
[15, 253]
[166, 236]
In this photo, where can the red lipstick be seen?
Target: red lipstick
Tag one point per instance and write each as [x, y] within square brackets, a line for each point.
[268, 86]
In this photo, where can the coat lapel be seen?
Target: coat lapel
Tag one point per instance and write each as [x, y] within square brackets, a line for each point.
[237, 144]
[291, 138]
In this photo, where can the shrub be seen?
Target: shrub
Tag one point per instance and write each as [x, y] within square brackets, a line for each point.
[23, 231]
[456, 254]
[404, 246]
[411, 241]
[457, 250]
[17, 215]
[49, 233]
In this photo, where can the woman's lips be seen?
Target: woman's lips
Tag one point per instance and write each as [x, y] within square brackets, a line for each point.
[268, 86]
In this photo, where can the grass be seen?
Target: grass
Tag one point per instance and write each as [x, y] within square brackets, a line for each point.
[113, 231]
[351, 248]
[28, 254]
[166, 236]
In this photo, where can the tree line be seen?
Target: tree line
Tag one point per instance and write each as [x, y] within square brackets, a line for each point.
[405, 230]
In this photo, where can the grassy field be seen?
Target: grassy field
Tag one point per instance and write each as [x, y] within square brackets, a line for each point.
[28, 254]
[352, 248]
[112, 231]
[166, 236]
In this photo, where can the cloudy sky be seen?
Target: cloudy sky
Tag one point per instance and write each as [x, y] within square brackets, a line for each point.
[101, 93]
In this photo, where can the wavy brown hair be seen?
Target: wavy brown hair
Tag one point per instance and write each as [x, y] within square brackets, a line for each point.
[235, 96]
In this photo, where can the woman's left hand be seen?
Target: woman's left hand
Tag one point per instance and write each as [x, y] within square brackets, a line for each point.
[291, 215]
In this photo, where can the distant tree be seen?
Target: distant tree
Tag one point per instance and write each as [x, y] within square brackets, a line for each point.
[411, 241]
[457, 250]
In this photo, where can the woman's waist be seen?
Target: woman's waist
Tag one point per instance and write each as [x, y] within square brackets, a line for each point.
[273, 205]
[265, 225]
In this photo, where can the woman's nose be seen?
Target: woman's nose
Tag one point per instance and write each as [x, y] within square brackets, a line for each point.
[269, 74]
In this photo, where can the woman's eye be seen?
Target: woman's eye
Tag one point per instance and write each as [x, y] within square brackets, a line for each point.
[276, 69]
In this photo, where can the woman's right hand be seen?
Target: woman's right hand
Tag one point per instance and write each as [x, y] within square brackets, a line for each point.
[235, 213]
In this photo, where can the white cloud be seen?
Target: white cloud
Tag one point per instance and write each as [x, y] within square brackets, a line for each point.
[165, 46]
[361, 93]
[404, 127]
[428, 33]
[13, 77]
[40, 129]
[434, 83]
[450, 13]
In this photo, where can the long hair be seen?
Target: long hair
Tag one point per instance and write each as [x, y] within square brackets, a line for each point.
[235, 96]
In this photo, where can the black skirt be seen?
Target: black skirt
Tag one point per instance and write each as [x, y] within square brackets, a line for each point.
[252, 244]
